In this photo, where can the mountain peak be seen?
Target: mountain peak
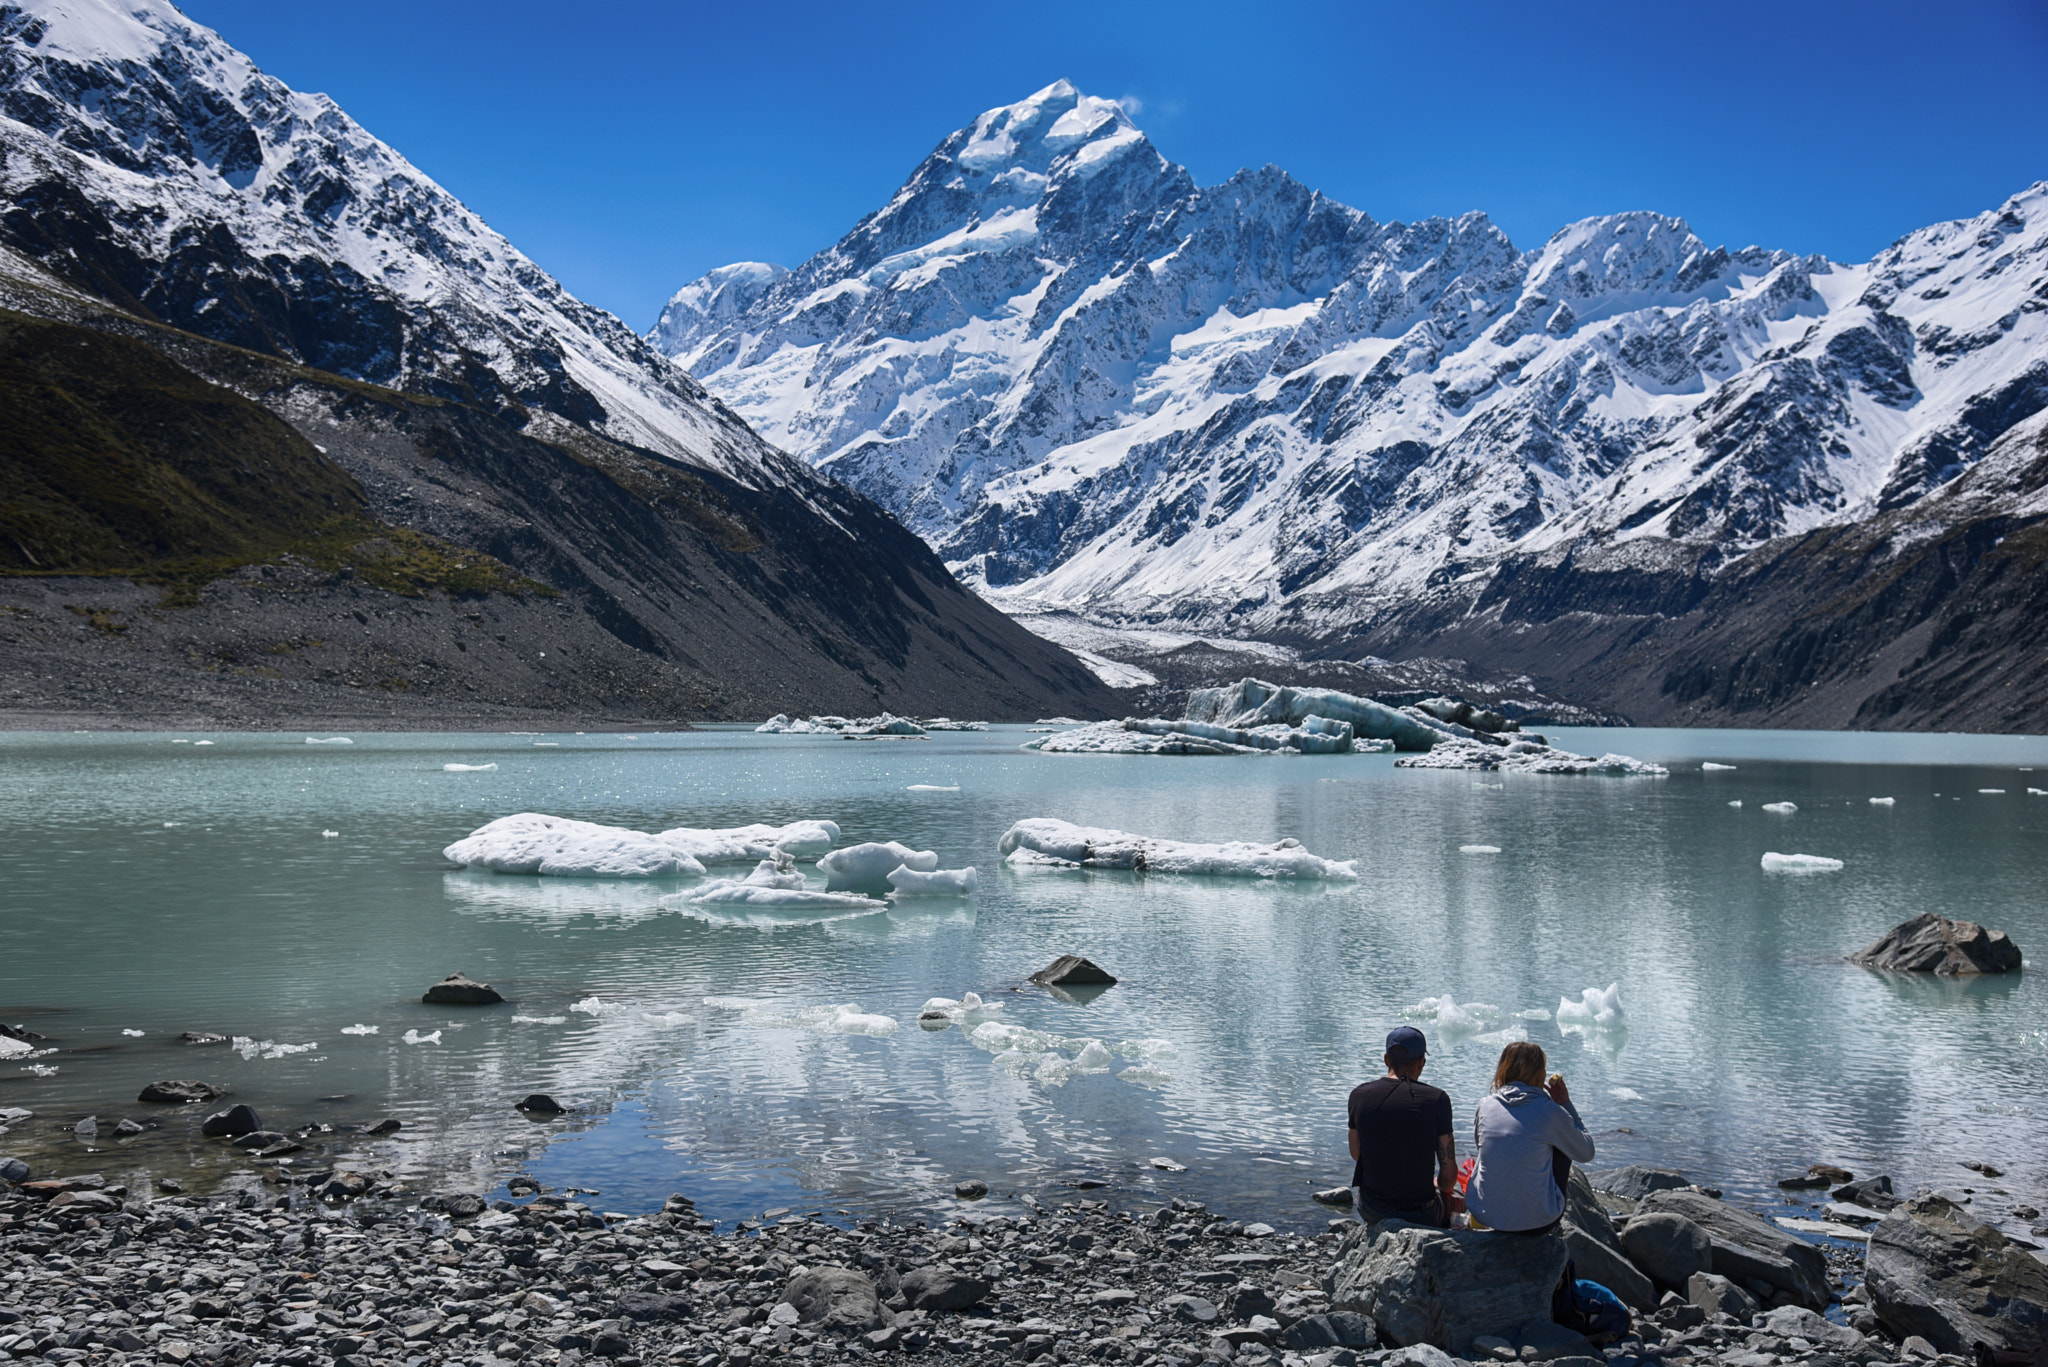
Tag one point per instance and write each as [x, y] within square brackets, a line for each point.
[1036, 131]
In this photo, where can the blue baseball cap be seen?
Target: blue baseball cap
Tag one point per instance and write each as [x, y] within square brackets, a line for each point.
[1406, 1042]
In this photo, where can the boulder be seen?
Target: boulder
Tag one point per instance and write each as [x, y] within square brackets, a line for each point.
[1336, 1196]
[1634, 1182]
[1746, 1248]
[1325, 1333]
[1071, 970]
[459, 989]
[971, 1190]
[1719, 1296]
[647, 1306]
[1445, 1287]
[540, 1103]
[180, 1093]
[1872, 1193]
[939, 1289]
[1937, 1271]
[13, 1170]
[835, 1300]
[1668, 1246]
[256, 1140]
[232, 1123]
[1796, 1321]
[1596, 1248]
[128, 1129]
[1934, 944]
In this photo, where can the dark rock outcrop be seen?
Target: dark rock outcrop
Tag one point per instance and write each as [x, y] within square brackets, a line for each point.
[540, 1103]
[1671, 1248]
[232, 1123]
[180, 1093]
[1934, 944]
[835, 1300]
[1071, 970]
[1747, 1248]
[459, 989]
[940, 1289]
[1939, 1272]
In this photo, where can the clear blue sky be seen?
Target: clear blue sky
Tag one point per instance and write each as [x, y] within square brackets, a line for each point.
[630, 145]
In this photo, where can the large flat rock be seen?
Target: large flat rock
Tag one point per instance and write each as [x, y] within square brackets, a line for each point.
[1937, 1271]
[1746, 1247]
[1445, 1287]
[1934, 944]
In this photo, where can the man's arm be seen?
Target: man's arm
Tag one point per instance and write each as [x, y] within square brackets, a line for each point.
[1446, 1163]
[1354, 1146]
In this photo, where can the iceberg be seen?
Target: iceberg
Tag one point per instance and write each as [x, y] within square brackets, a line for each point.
[909, 882]
[1595, 1008]
[1800, 863]
[1252, 703]
[467, 768]
[1048, 838]
[869, 865]
[1892, 801]
[1781, 808]
[1478, 849]
[933, 788]
[738, 892]
[358, 1029]
[745, 844]
[1712, 767]
[1526, 756]
[948, 724]
[888, 724]
[1451, 1018]
[1155, 736]
[781, 725]
[315, 740]
[953, 1012]
[532, 842]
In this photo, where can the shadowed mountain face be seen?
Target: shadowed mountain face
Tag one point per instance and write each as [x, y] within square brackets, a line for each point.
[255, 360]
[1247, 411]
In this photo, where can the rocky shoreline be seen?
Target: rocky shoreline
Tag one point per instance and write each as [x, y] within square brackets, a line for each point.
[346, 1269]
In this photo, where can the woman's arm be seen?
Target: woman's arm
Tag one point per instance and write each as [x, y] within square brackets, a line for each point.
[1568, 1133]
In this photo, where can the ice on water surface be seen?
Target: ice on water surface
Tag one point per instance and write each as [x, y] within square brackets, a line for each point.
[358, 1029]
[1100, 848]
[1478, 849]
[534, 842]
[908, 882]
[745, 844]
[415, 1037]
[315, 740]
[132, 1034]
[1624, 1094]
[1596, 1008]
[467, 768]
[869, 865]
[933, 788]
[1889, 801]
[1710, 765]
[1774, 862]
[1451, 1018]
[268, 1048]
[1781, 808]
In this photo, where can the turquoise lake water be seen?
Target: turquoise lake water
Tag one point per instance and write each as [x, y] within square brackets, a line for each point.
[157, 886]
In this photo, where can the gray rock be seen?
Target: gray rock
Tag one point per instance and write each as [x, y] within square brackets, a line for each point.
[1719, 1296]
[1937, 1271]
[1195, 1309]
[1668, 1246]
[1872, 1193]
[1796, 1321]
[14, 1170]
[232, 1123]
[540, 1103]
[201, 1037]
[1915, 1346]
[835, 1300]
[1444, 1286]
[258, 1139]
[1934, 944]
[1596, 1248]
[938, 1289]
[1338, 1329]
[1419, 1355]
[1545, 1341]
[127, 1129]
[1335, 1196]
[1747, 1248]
[1071, 970]
[390, 1124]
[180, 1093]
[972, 1190]
[459, 989]
[654, 1305]
[1634, 1182]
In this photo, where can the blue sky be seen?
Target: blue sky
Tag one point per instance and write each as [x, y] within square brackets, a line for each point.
[630, 146]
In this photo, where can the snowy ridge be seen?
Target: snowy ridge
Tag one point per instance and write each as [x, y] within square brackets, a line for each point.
[1099, 388]
[159, 163]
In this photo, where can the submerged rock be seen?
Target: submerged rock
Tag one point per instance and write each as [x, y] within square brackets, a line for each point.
[180, 1093]
[1071, 970]
[232, 1123]
[539, 1103]
[1934, 944]
[1939, 1272]
[459, 989]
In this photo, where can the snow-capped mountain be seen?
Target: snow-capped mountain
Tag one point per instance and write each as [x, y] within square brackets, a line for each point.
[144, 158]
[1098, 387]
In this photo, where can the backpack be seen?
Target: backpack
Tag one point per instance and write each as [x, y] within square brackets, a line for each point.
[1588, 1307]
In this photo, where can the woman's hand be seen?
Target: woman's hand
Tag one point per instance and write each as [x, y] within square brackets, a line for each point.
[1559, 1093]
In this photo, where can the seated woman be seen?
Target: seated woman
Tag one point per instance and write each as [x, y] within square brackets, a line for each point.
[1527, 1139]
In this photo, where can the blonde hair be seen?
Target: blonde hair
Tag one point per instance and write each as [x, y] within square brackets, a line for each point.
[1520, 1062]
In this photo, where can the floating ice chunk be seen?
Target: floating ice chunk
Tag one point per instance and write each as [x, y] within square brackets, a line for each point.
[668, 1018]
[358, 1029]
[1015, 1061]
[1094, 1057]
[595, 1006]
[1595, 1007]
[1712, 767]
[2037, 792]
[1144, 1075]
[932, 788]
[1095, 847]
[548, 744]
[533, 842]
[909, 882]
[775, 725]
[42, 1069]
[1451, 1018]
[181, 742]
[540, 1020]
[1995, 792]
[1534, 1013]
[467, 768]
[1053, 1071]
[169, 824]
[1624, 1094]
[1892, 801]
[1025, 860]
[1800, 863]
[732, 892]
[268, 1048]
[1781, 808]
[779, 872]
[316, 740]
[330, 835]
[851, 1020]
[415, 1037]
[132, 1034]
[743, 844]
[1506, 1035]
[1146, 1048]
[14, 1048]
[969, 1006]
[1478, 849]
[1736, 803]
[208, 742]
[1525, 757]
[948, 724]
[732, 1003]
[869, 865]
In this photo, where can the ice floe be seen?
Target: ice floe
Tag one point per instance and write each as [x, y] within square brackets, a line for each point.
[869, 865]
[267, 1048]
[14, 1048]
[1596, 1008]
[1157, 736]
[316, 740]
[743, 844]
[532, 842]
[1736, 803]
[737, 892]
[1047, 838]
[1781, 808]
[948, 724]
[467, 768]
[132, 1034]
[844, 1018]
[540, 1020]
[358, 1029]
[1501, 1038]
[1711, 767]
[1526, 756]
[415, 1037]
[944, 1011]
[330, 835]
[1478, 849]
[933, 788]
[1144, 1075]
[2031, 792]
[1451, 1018]
[1800, 863]
[1892, 801]
[1995, 792]
[909, 882]
[596, 1006]
[862, 728]
[1624, 1094]
[1534, 1013]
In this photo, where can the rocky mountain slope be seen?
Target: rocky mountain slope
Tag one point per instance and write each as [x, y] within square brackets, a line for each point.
[1248, 411]
[257, 362]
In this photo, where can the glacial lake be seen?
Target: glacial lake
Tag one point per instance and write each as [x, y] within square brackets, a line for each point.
[152, 884]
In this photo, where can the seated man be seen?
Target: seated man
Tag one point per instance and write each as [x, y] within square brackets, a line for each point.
[1400, 1130]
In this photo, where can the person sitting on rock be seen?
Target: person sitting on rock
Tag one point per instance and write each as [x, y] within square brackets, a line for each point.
[1528, 1138]
[1400, 1130]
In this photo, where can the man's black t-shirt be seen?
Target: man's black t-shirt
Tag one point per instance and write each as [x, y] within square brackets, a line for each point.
[1398, 1124]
